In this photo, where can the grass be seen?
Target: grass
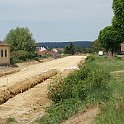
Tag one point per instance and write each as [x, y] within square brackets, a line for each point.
[112, 112]
[73, 93]
[11, 120]
[61, 111]
[90, 85]
[114, 64]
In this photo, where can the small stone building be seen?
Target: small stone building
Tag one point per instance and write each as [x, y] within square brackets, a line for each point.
[4, 53]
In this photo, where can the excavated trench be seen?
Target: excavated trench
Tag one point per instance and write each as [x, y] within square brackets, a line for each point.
[9, 92]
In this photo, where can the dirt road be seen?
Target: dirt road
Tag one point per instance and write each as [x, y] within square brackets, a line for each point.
[28, 106]
[32, 70]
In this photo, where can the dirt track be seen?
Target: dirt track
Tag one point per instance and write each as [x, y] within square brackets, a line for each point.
[27, 106]
[27, 72]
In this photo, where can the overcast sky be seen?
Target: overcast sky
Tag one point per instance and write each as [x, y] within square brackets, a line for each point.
[56, 20]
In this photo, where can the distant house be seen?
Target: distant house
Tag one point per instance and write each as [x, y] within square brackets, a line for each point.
[40, 48]
[4, 53]
[122, 48]
[55, 50]
[42, 53]
[59, 50]
[49, 52]
[54, 54]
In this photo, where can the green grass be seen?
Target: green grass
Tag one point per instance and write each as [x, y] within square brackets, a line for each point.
[61, 111]
[110, 64]
[112, 112]
[90, 85]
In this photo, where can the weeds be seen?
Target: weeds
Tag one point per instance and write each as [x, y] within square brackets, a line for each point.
[61, 111]
[11, 119]
[80, 84]
[88, 85]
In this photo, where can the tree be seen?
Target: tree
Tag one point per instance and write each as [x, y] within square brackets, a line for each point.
[118, 19]
[109, 39]
[20, 39]
[70, 49]
[96, 46]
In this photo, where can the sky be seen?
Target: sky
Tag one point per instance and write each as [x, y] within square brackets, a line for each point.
[56, 20]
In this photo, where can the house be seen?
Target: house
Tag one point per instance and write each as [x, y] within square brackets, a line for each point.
[122, 48]
[54, 54]
[49, 52]
[42, 53]
[59, 50]
[4, 53]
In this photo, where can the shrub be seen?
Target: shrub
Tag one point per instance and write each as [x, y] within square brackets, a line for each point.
[37, 58]
[90, 58]
[79, 84]
[21, 55]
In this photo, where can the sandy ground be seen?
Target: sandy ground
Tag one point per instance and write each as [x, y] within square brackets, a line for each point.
[32, 70]
[28, 106]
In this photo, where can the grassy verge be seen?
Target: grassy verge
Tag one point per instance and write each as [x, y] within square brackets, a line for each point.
[92, 84]
[112, 112]
[87, 86]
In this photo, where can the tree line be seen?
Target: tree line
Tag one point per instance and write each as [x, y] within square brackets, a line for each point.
[112, 36]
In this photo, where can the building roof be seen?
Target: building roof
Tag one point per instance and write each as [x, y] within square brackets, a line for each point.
[52, 53]
[3, 43]
[42, 52]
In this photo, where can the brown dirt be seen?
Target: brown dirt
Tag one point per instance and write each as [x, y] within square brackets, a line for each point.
[10, 91]
[29, 105]
[8, 71]
[69, 62]
[87, 117]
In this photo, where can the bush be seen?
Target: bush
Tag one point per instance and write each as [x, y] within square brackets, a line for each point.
[79, 84]
[90, 58]
[21, 55]
[37, 59]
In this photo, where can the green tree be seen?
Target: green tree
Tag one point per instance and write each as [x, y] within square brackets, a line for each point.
[21, 39]
[96, 46]
[70, 49]
[109, 39]
[118, 19]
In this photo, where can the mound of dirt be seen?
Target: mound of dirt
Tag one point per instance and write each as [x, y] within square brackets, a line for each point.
[22, 86]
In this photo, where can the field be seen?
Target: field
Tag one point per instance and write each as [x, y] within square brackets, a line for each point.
[25, 107]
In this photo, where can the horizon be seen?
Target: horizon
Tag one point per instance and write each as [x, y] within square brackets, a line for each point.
[64, 41]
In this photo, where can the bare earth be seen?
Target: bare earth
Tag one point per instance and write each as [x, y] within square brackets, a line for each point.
[28, 106]
[32, 70]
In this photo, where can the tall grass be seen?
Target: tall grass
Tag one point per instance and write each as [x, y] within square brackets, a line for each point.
[113, 110]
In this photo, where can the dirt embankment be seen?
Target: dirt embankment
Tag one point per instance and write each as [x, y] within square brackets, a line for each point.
[8, 92]
[8, 71]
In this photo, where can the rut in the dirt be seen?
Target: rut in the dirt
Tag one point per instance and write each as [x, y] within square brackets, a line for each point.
[22, 86]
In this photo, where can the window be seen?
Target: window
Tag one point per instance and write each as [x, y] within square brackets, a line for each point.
[1, 53]
[5, 53]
